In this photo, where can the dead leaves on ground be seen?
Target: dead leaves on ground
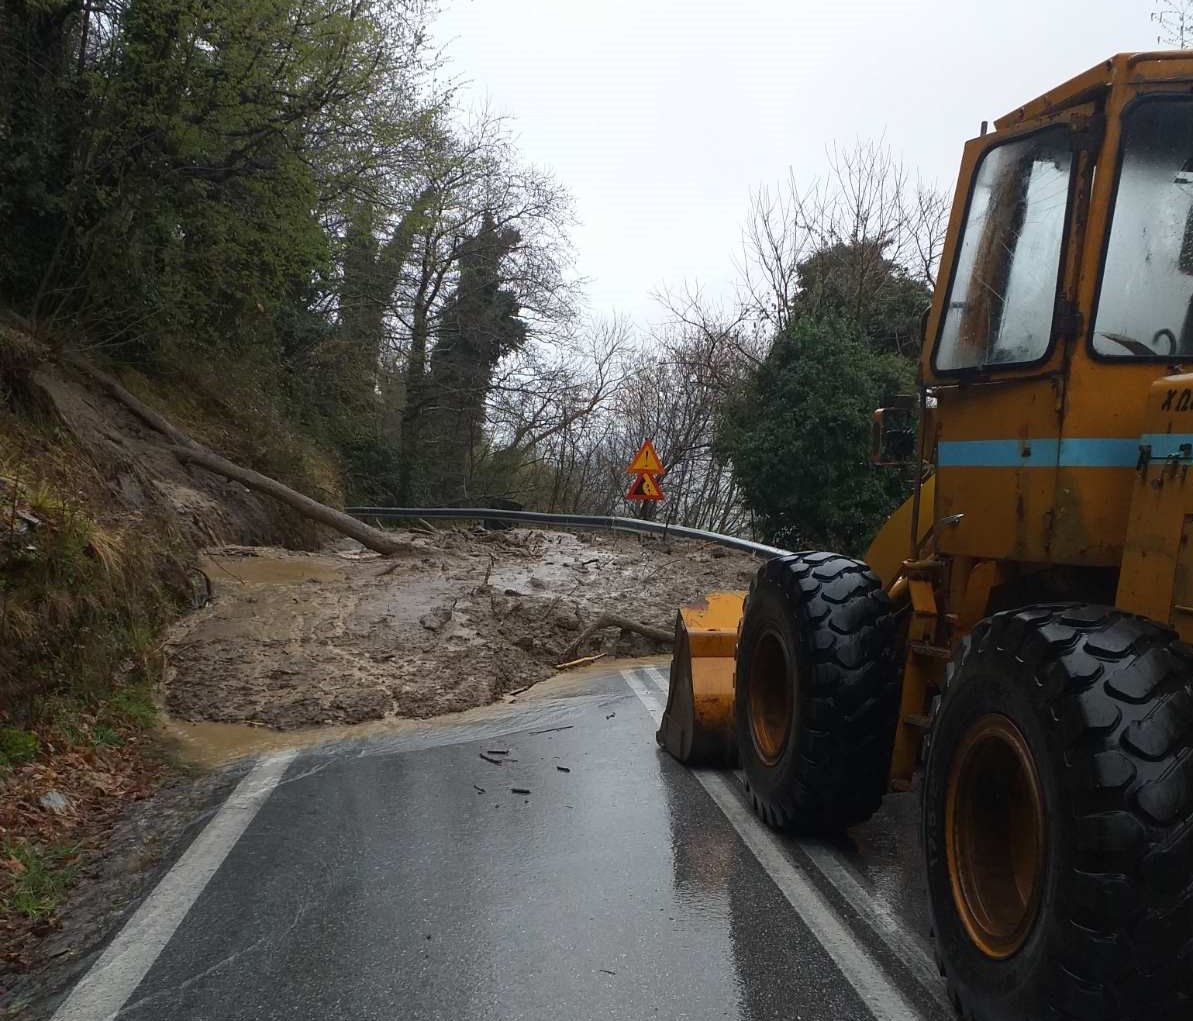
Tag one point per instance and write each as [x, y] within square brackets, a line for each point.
[95, 784]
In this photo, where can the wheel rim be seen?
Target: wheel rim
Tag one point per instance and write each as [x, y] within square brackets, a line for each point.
[770, 697]
[994, 827]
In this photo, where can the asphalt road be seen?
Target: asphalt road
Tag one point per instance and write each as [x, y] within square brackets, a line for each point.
[410, 877]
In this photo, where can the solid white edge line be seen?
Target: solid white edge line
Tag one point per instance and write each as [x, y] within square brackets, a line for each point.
[111, 980]
[883, 999]
[879, 918]
[898, 939]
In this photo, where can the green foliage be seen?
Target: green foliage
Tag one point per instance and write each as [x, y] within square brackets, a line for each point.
[478, 327]
[131, 706]
[798, 437]
[371, 471]
[41, 877]
[177, 171]
[858, 282]
[17, 746]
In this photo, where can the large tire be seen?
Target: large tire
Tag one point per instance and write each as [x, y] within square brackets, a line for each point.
[1101, 926]
[817, 692]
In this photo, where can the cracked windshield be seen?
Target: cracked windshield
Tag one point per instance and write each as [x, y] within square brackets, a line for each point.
[585, 511]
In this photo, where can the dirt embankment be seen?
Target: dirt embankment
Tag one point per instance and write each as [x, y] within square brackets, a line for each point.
[297, 640]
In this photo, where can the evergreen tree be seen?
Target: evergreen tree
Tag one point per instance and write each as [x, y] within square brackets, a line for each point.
[479, 325]
[798, 436]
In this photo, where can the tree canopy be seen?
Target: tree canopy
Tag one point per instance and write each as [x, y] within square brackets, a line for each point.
[798, 436]
[280, 210]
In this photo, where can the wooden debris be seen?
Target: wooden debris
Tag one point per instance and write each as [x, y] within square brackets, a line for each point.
[374, 538]
[187, 450]
[607, 620]
[582, 661]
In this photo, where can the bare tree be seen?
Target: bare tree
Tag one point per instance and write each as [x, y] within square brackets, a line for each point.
[1175, 19]
[543, 407]
[666, 388]
[867, 202]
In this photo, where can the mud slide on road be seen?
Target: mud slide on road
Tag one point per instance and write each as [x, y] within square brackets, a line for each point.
[296, 641]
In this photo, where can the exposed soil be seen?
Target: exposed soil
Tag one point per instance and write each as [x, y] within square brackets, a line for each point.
[297, 640]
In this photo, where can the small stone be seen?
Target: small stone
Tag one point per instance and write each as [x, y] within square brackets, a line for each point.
[56, 802]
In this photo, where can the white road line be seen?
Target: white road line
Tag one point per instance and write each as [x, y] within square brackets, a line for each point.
[102, 992]
[881, 996]
[647, 694]
[898, 939]
[661, 681]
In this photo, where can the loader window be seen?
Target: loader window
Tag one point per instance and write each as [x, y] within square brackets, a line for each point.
[1146, 305]
[1003, 291]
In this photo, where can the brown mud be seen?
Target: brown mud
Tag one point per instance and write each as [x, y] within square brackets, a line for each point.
[293, 640]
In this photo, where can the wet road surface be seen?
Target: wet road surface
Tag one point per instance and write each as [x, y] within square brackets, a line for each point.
[546, 862]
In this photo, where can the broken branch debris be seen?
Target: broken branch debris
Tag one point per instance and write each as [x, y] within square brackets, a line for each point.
[607, 620]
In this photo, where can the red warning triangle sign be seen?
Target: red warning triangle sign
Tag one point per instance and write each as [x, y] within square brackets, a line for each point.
[645, 487]
[646, 460]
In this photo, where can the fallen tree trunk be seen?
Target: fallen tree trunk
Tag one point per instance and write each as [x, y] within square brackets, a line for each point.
[186, 449]
[605, 620]
[366, 535]
[155, 421]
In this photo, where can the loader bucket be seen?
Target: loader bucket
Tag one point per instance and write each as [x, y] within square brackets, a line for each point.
[697, 725]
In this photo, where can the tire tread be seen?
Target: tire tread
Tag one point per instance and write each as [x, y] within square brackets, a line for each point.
[1116, 691]
[847, 633]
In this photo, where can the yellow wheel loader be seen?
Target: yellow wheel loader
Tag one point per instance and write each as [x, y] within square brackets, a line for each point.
[1015, 636]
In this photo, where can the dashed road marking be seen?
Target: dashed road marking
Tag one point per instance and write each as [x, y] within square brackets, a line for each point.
[109, 983]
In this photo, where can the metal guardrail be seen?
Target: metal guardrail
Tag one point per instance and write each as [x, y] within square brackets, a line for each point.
[614, 524]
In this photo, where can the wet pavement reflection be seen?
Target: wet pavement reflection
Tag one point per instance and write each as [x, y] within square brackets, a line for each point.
[557, 866]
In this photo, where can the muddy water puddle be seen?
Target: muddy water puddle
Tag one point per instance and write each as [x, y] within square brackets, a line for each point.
[276, 569]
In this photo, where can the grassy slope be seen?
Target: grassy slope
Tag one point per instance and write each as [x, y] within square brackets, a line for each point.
[89, 577]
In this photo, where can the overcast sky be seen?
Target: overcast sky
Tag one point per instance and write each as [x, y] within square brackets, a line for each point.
[661, 115]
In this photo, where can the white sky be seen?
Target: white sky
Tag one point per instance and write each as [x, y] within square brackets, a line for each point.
[660, 116]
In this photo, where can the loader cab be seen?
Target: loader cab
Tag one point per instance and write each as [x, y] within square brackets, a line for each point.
[1065, 300]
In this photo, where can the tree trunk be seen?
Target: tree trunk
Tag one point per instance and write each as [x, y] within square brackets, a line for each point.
[188, 450]
[366, 535]
[655, 634]
[156, 422]
[416, 369]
